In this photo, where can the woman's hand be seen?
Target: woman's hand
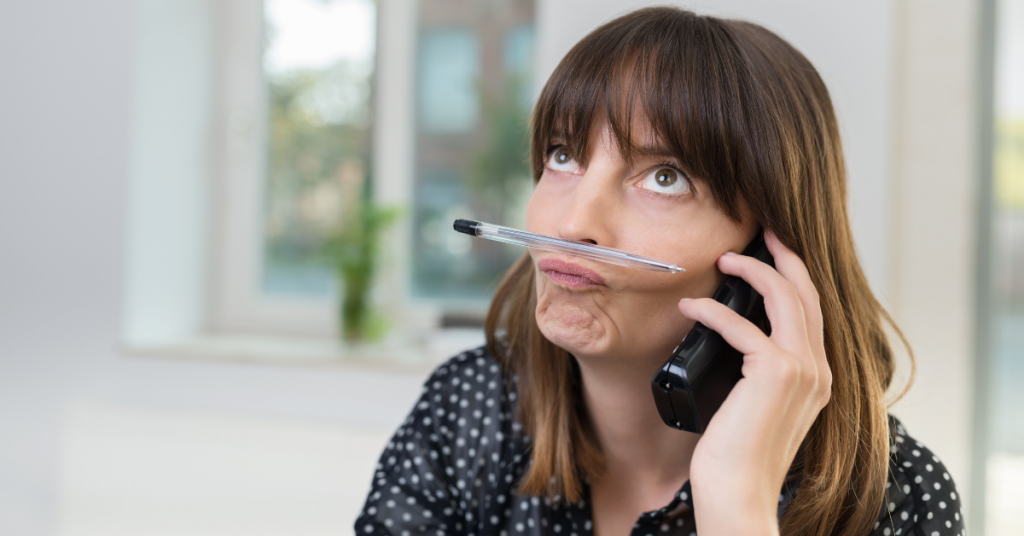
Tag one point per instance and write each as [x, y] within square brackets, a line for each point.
[740, 463]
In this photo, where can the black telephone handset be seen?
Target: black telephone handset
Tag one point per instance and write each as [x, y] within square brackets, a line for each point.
[703, 369]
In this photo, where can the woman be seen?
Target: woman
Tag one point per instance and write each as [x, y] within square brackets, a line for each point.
[678, 137]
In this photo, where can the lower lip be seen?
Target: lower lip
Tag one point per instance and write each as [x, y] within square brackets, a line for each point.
[570, 280]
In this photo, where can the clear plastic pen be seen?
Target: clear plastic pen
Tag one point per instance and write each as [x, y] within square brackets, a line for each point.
[558, 245]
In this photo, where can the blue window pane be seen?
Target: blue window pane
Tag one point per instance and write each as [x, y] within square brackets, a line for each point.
[518, 52]
[449, 68]
[519, 49]
[475, 87]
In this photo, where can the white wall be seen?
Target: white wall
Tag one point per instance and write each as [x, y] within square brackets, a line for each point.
[65, 103]
[934, 225]
[65, 119]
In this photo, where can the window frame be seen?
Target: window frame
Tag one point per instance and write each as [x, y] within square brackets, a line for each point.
[237, 303]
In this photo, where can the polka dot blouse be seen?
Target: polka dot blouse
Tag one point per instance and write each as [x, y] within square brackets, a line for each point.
[453, 465]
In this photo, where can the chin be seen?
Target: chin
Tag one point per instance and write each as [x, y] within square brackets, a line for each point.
[573, 329]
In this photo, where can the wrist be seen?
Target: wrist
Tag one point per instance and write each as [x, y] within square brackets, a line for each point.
[740, 507]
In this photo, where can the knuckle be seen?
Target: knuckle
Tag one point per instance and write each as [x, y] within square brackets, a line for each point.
[824, 397]
[790, 291]
[824, 389]
[809, 377]
[812, 293]
[786, 371]
[721, 314]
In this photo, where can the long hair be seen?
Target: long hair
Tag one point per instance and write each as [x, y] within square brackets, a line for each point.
[745, 112]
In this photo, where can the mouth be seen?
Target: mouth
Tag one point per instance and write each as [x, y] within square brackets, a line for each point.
[569, 274]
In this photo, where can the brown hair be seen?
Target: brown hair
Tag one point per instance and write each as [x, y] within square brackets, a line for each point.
[748, 114]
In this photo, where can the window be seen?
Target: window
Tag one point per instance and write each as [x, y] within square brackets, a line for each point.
[475, 89]
[315, 117]
[318, 67]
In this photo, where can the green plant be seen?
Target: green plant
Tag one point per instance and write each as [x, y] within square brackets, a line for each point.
[353, 250]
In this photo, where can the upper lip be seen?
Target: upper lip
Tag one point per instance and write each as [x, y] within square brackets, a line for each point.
[555, 265]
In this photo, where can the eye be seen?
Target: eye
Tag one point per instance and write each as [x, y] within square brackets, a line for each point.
[560, 160]
[666, 180]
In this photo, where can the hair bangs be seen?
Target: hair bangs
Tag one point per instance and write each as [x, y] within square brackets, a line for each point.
[662, 89]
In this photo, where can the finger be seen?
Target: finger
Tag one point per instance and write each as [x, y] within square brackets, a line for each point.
[794, 270]
[737, 331]
[781, 301]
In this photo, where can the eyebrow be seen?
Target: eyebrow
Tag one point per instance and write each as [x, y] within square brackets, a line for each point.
[642, 151]
[653, 151]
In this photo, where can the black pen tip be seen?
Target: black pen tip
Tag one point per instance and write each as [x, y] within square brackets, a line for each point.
[466, 226]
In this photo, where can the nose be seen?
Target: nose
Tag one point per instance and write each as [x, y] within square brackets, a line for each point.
[590, 215]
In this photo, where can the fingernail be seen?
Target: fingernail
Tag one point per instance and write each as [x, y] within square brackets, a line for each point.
[729, 253]
[687, 299]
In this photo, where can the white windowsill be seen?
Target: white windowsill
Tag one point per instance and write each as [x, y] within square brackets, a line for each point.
[412, 356]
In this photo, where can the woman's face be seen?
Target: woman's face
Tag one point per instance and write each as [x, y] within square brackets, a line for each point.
[650, 208]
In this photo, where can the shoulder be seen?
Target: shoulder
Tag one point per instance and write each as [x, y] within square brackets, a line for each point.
[472, 365]
[921, 497]
[458, 449]
[465, 413]
[471, 384]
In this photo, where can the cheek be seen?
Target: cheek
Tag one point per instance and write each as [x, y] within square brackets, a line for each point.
[545, 206]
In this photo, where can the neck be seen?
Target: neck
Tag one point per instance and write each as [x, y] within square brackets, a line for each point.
[641, 452]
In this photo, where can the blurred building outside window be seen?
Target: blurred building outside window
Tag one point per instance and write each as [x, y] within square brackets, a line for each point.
[1004, 495]
[475, 89]
[299, 103]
